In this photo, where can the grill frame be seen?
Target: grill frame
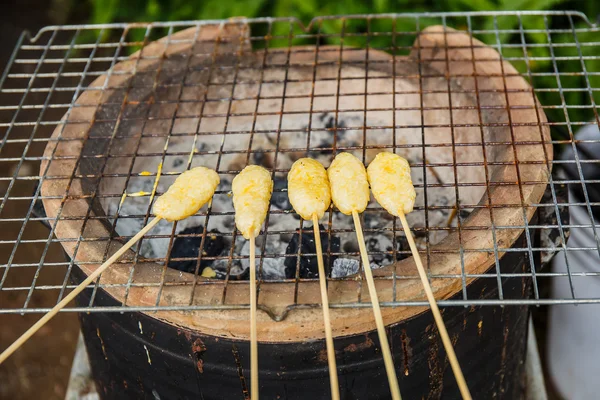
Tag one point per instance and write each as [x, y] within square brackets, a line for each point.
[122, 44]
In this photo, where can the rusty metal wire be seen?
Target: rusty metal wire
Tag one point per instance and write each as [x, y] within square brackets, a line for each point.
[50, 70]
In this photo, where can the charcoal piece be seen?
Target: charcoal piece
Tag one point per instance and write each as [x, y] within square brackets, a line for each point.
[308, 264]
[280, 199]
[403, 248]
[268, 268]
[343, 267]
[188, 247]
[236, 272]
[420, 233]
[372, 220]
[374, 246]
[329, 123]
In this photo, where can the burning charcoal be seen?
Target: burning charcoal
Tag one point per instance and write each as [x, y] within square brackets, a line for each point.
[402, 250]
[188, 247]
[328, 121]
[308, 264]
[374, 246]
[372, 220]
[280, 199]
[272, 268]
[343, 267]
[382, 243]
[237, 272]
[403, 246]
[419, 233]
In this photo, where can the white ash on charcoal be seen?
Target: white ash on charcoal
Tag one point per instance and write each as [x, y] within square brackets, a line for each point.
[187, 140]
[279, 198]
[223, 267]
[343, 267]
[269, 268]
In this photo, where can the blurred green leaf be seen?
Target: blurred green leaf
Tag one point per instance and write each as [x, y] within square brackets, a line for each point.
[104, 11]
[153, 9]
[533, 55]
[477, 5]
[541, 4]
[381, 5]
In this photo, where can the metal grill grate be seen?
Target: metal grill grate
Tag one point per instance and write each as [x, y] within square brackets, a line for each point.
[48, 73]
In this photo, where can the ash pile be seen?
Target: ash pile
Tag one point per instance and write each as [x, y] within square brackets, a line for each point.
[225, 125]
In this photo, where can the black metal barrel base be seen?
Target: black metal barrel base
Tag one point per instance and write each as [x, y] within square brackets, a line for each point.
[134, 356]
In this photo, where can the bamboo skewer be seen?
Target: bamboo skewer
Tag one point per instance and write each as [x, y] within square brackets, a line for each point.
[333, 377]
[67, 299]
[251, 190]
[458, 374]
[171, 206]
[391, 184]
[253, 333]
[309, 192]
[385, 347]
[350, 194]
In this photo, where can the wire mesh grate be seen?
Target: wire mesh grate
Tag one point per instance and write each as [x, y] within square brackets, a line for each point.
[98, 120]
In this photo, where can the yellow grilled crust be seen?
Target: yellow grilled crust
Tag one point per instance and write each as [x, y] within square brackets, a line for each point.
[251, 191]
[389, 176]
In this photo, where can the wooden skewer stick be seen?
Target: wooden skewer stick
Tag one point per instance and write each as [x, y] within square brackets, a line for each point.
[333, 377]
[385, 347]
[42, 321]
[460, 379]
[253, 335]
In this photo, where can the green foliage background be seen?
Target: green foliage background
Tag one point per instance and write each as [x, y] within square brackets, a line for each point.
[537, 52]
